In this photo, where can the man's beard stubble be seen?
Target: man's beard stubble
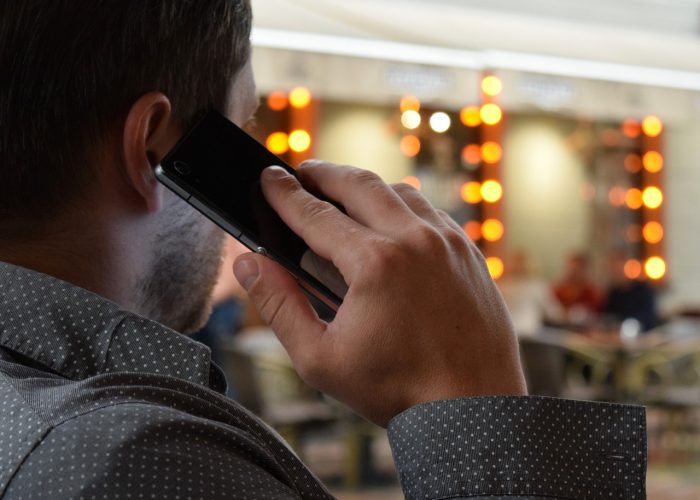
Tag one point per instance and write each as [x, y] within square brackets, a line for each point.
[177, 287]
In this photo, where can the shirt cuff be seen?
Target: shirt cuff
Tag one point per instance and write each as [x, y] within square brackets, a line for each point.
[526, 445]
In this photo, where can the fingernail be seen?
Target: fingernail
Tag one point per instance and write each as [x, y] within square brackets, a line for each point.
[246, 271]
[275, 173]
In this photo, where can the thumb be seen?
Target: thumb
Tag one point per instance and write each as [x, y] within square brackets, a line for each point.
[280, 302]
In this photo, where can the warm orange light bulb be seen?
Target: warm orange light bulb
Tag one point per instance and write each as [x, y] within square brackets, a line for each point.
[491, 191]
[470, 116]
[496, 267]
[492, 230]
[653, 162]
[655, 268]
[653, 232]
[413, 181]
[633, 163]
[410, 103]
[473, 230]
[633, 269]
[278, 143]
[300, 141]
[633, 199]
[491, 152]
[471, 193]
[652, 197]
[410, 146]
[277, 101]
[300, 97]
[491, 114]
[631, 128]
[652, 126]
[471, 154]
[491, 86]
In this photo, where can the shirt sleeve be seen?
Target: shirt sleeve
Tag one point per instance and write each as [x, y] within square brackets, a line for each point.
[528, 447]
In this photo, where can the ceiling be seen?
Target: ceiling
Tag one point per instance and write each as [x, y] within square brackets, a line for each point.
[651, 33]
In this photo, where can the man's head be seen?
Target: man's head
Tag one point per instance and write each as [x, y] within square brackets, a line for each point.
[93, 93]
[577, 268]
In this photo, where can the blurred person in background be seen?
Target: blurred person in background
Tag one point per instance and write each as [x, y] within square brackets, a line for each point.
[102, 271]
[578, 295]
[629, 298]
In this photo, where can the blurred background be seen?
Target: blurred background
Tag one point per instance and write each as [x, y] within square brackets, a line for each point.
[563, 135]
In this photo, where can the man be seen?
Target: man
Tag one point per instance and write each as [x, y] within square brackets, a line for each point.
[101, 398]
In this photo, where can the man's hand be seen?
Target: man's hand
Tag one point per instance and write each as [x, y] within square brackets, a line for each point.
[422, 320]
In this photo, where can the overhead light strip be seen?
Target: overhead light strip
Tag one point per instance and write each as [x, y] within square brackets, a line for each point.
[476, 60]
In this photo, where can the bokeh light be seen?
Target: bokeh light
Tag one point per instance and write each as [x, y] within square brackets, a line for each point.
[491, 191]
[470, 116]
[633, 269]
[411, 119]
[410, 146]
[471, 154]
[633, 199]
[653, 232]
[413, 181]
[278, 143]
[492, 230]
[617, 196]
[300, 97]
[653, 162]
[655, 267]
[410, 103]
[652, 197]
[496, 267]
[471, 193]
[491, 86]
[300, 141]
[633, 233]
[491, 114]
[440, 122]
[491, 152]
[633, 163]
[652, 126]
[473, 230]
[277, 101]
[632, 128]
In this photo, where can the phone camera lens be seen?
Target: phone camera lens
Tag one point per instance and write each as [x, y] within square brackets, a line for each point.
[182, 168]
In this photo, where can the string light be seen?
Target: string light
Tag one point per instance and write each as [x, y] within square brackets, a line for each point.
[492, 230]
[652, 126]
[633, 199]
[491, 191]
[652, 197]
[277, 101]
[300, 97]
[470, 116]
[410, 103]
[496, 267]
[633, 269]
[473, 230]
[653, 162]
[653, 232]
[300, 141]
[411, 119]
[491, 152]
[410, 146]
[491, 86]
[471, 193]
[655, 268]
[491, 114]
[471, 154]
[278, 143]
[631, 128]
[440, 122]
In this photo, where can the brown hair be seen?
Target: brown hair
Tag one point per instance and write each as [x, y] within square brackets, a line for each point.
[71, 69]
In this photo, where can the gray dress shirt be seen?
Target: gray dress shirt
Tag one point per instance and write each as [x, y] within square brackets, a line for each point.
[96, 402]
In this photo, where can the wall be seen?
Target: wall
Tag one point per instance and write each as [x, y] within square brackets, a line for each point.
[362, 136]
[683, 215]
[545, 214]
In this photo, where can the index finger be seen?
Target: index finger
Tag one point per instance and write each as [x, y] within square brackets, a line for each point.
[328, 232]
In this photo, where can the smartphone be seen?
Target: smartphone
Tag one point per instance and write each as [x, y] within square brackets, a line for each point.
[216, 168]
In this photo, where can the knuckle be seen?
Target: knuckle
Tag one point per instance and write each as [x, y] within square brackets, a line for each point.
[360, 176]
[428, 239]
[317, 209]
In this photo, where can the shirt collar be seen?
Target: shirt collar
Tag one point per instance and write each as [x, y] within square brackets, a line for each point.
[79, 334]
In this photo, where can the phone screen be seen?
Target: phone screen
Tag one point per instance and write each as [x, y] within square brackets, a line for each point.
[217, 167]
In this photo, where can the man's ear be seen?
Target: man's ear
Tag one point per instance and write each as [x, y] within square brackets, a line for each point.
[149, 133]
